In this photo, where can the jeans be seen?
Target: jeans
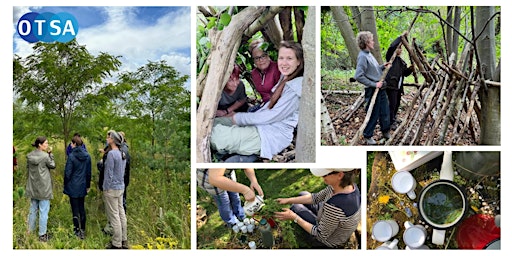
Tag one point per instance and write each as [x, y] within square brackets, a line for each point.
[380, 112]
[394, 97]
[116, 216]
[43, 206]
[230, 207]
[78, 210]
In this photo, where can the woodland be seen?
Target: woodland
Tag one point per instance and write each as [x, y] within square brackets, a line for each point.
[223, 38]
[453, 95]
[61, 89]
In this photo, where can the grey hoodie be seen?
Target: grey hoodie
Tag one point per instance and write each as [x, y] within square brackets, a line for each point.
[276, 125]
[39, 182]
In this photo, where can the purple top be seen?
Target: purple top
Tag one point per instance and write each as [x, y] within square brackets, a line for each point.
[265, 81]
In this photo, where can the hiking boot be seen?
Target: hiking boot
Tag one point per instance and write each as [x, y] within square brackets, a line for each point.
[111, 246]
[370, 141]
[394, 126]
[386, 135]
[44, 238]
[125, 245]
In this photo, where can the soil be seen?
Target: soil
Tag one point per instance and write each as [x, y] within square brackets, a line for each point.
[338, 103]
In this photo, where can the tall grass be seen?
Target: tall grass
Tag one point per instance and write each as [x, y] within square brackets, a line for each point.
[158, 209]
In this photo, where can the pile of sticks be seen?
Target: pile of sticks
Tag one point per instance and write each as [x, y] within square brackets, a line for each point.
[446, 106]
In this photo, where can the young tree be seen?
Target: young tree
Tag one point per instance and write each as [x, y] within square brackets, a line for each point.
[58, 76]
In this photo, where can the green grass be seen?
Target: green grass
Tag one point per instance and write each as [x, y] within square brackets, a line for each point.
[276, 183]
[158, 210]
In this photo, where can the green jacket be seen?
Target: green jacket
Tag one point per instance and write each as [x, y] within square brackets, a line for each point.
[39, 182]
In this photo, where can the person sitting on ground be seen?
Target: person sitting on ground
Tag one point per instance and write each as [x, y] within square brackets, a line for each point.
[395, 79]
[233, 97]
[270, 129]
[265, 74]
[331, 215]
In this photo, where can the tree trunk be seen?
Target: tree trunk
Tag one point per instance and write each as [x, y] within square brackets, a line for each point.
[224, 49]
[456, 25]
[342, 20]
[285, 18]
[368, 24]
[305, 148]
[298, 14]
[490, 133]
[356, 15]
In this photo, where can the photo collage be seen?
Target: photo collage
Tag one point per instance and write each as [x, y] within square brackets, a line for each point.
[317, 127]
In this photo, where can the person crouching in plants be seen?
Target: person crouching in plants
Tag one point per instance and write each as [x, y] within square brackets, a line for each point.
[331, 215]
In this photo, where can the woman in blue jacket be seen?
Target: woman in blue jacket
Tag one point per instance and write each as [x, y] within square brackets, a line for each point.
[77, 181]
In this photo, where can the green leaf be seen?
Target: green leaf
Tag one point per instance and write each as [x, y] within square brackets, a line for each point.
[225, 19]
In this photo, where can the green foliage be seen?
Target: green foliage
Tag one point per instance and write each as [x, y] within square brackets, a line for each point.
[333, 51]
[275, 183]
[158, 210]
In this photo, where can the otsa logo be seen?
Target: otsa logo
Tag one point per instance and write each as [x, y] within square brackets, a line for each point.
[47, 27]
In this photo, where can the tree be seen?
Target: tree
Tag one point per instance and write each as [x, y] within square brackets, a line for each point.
[157, 103]
[305, 150]
[58, 77]
[347, 33]
[490, 95]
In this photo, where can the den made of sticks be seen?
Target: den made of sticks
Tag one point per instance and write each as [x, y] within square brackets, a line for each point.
[453, 94]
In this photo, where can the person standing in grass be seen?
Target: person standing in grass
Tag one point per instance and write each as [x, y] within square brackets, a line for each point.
[39, 185]
[77, 182]
[113, 189]
[221, 184]
[331, 215]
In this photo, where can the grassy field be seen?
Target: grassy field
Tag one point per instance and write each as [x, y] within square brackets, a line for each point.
[158, 209]
[276, 183]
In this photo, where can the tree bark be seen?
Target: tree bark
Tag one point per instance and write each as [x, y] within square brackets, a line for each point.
[306, 148]
[490, 98]
[368, 24]
[224, 48]
[285, 18]
[298, 14]
[342, 20]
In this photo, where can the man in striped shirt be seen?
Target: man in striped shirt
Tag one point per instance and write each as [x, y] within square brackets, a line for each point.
[331, 215]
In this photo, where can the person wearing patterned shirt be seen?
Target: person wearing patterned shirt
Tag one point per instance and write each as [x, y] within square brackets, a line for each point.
[331, 215]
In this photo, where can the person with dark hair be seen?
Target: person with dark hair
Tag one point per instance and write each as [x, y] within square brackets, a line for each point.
[331, 215]
[369, 72]
[125, 150]
[269, 130]
[233, 98]
[69, 148]
[77, 182]
[39, 185]
[395, 79]
[113, 188]
[265, 74]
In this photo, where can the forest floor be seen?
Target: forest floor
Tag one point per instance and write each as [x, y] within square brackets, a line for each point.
[483, 194]
[345, 130]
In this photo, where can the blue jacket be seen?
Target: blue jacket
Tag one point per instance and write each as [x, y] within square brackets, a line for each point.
[77, 174]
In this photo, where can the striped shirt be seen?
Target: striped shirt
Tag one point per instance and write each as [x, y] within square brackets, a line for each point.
[202, 181]
[338, 218]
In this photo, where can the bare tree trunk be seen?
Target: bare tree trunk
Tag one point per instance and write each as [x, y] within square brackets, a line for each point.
[368, 24]
[356, 15]
[298, 14]
[342, 20]
[490, 98]
[225, 45]
[285, 18]
[306, 149]
[273, 32]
